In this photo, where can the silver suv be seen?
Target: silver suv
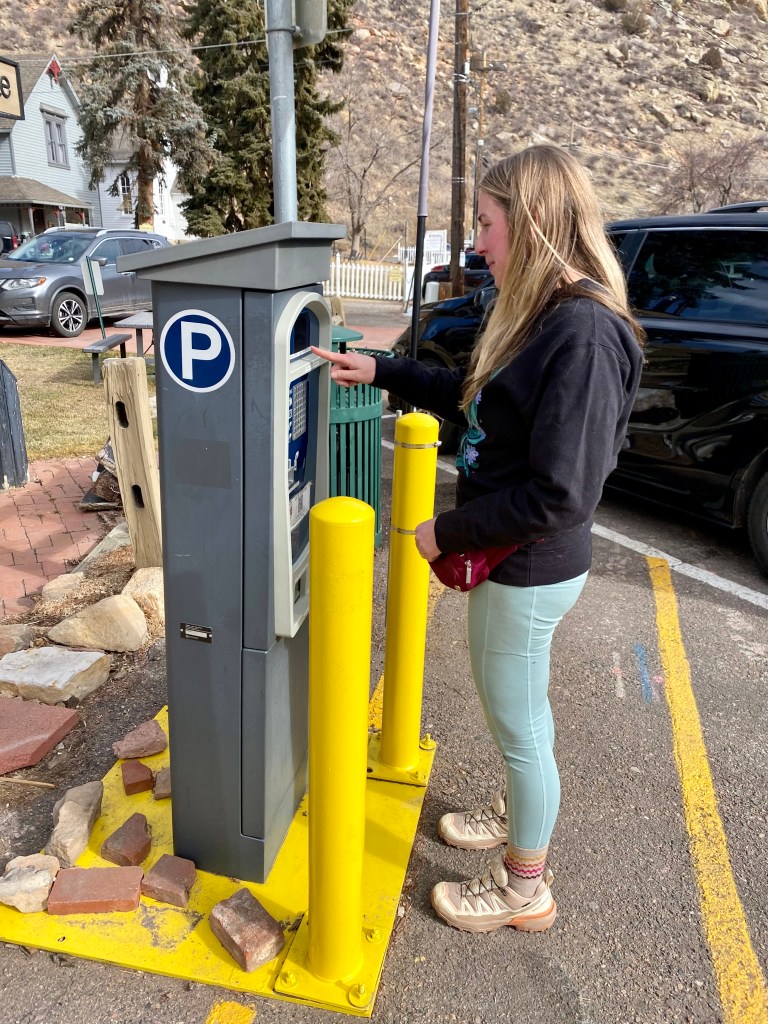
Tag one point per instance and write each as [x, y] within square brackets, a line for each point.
[41, 282]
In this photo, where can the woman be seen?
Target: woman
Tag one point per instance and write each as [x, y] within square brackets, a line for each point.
[545, 404]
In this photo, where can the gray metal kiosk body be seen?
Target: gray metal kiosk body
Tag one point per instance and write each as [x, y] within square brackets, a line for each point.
[243, 439]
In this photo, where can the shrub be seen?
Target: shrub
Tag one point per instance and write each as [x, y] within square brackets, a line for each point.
[635, 21]
[615, 5]
[712, 59]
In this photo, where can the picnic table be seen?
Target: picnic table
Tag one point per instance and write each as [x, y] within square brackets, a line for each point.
[138, 322]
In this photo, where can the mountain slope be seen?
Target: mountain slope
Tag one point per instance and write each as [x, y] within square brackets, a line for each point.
[626, 83]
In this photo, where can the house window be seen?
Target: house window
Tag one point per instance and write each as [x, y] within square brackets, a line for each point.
[56, 141]
[124, 185]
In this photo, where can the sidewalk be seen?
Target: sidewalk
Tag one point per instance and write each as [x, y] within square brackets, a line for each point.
[42, 531]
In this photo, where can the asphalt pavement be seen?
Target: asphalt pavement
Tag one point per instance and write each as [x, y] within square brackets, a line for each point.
[661, 710]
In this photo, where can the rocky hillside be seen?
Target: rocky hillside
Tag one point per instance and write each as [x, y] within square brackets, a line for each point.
[629, 84]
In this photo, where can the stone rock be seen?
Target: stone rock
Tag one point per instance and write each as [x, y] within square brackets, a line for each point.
[115, 539]
[146, 589]
[137, 777]
[170, 880]
[249, 934]
[53, 675]
[95, 890]
[62, 586]
[26, 882]
[113, 624]
[162, 788]
[721, 27]
[613, 53]
[143, 741]
[28, 731]
[16, 638]
[661, 116]
[128, 845]
[73, 819]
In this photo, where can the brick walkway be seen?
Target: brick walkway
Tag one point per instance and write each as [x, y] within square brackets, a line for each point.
[42, 530]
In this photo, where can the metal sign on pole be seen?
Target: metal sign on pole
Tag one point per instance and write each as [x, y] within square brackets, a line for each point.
[11, 99]
[94, 285]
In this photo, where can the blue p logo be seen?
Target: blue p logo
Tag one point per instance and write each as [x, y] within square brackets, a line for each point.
[197, 350]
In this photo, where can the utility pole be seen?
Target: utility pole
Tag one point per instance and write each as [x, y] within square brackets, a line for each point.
[459, 162]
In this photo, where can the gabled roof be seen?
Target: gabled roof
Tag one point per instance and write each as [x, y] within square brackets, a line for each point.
[32, 66]
[27, 191]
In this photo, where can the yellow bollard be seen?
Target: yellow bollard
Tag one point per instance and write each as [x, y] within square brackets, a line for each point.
[341, 533]
[413, 501]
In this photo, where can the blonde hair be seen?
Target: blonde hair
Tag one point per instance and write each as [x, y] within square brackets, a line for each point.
[554, 224]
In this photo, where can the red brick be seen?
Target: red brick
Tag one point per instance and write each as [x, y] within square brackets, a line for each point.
[95, 890]
[63, 539]
[137, 776]
[28, 731]
[16, 606]
[244, 928]
[10, 536]
[170, 880]
[51, 567]
[128, 845]
[33, 583]
[24, 557]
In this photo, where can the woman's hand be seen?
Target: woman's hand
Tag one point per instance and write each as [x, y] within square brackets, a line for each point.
[426, 544]
[348, 368]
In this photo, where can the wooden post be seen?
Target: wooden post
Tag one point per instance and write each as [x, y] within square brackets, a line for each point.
[130, 427]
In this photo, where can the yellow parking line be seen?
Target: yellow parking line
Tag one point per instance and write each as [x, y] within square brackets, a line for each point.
[740, 982]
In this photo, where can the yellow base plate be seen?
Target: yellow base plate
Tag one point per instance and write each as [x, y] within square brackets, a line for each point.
[179, 943]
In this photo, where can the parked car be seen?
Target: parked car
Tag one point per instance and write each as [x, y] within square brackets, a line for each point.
[41, 282]
[698, 434]
[475, 269]
[8, 237]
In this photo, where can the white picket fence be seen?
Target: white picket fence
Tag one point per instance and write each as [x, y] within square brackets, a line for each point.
[356, 279]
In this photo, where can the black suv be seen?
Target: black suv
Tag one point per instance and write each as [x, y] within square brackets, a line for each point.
[698, 434]
[475, 269]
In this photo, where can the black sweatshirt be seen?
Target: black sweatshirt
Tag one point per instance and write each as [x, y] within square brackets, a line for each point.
[540, 441]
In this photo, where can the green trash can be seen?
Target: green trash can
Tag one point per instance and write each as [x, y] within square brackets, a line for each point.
[355, 441]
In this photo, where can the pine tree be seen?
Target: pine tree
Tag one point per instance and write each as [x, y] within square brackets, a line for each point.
[137, 95]
[234, 95]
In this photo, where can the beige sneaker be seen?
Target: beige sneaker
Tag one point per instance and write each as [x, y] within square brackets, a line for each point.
[486, 903]
[482, 829]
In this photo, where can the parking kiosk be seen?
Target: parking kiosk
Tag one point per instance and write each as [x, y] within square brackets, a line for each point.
[243, 440]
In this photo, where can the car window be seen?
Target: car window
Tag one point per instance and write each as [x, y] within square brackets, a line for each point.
[702, 275]
[133, 245]
[109, 250]
[52, 248]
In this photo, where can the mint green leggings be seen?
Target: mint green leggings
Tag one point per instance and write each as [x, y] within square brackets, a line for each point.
[510, 635]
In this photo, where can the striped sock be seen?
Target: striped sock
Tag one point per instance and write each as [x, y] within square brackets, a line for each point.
[525, 868]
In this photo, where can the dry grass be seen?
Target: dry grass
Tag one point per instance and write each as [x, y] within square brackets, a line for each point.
[62, 412]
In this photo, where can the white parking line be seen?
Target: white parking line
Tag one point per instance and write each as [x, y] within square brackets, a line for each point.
[676, 564]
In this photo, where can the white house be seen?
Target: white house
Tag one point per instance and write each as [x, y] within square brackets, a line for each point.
[118, 211]
[43, 181]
